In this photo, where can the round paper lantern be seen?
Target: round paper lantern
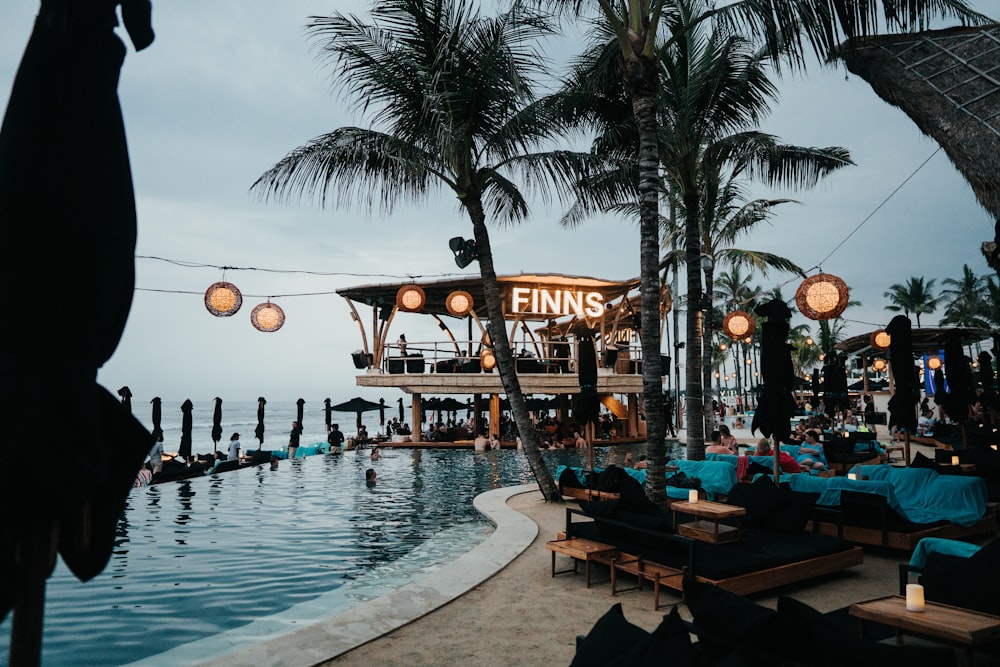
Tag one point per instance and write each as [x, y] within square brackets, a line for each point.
[822, 297]
[411, 298]
[934, 362]
[223, 299]
[459, 303]
[738, 324]
[879, 364]
[487, 360]
[880, 339]
[267, 317]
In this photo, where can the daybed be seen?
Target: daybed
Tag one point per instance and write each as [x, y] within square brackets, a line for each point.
[773, 550]
[897, 507]
[734, 631]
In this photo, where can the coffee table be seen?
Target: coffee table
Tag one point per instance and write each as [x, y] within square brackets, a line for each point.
[964, 627]
[710, 530]
[580, 549]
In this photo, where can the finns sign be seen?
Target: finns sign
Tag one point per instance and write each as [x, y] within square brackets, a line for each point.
[536, 301]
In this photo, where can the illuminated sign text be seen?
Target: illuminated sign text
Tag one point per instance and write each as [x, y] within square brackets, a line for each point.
[540, 301]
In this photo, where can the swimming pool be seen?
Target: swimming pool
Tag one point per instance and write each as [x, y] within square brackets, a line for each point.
[199, 557]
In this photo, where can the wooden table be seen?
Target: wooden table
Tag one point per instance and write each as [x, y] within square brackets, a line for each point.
[964, 627]
[708, 531]
[580, 549]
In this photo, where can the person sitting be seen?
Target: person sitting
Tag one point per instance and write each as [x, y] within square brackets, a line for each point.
[786, 461]
[716, 446]
[810, 452]
[925, 424]
[234, 447]
[727, 439]
[481, 443]
[363, 434]
[578, 440]
[739, 423]
[627, 463]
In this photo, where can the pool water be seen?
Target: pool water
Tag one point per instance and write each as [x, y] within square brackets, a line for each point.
[202, 556]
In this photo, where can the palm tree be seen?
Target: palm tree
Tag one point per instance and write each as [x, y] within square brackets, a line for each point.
[965, 303]
[916, 297]
[454, 92]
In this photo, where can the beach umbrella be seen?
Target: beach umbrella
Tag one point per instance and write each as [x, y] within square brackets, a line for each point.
[903, 404]
[299, 409]
[216, 424]
[157, 418]
[450, 404]
[327, 414]
[381, 412]
[776, 406]
[186, 423]
[356, 405]
[259, 431]
[126, 395]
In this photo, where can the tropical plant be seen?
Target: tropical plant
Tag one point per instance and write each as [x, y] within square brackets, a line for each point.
[915, 296]
[454, 92]
[964, 302]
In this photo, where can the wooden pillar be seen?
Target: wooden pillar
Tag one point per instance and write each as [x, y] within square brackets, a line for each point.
[495, 415]
[416, 429]
[632, 426]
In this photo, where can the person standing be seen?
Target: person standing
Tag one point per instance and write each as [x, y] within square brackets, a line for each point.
[869, 413]
[293, 439]
[336, 439]
[234, 447]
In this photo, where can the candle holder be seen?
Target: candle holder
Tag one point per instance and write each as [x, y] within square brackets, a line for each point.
[693, 496]
[954, 460]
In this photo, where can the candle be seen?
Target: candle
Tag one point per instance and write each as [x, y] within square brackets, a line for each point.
[693, 496]
[993, 447]
[851, 475]
[914, 597]
[954, 460]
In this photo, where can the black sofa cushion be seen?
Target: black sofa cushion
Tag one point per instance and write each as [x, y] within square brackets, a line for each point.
[771, 507]
[669, 641]
[730, 627]
[610, 636]
[793, 512]
[814, 638]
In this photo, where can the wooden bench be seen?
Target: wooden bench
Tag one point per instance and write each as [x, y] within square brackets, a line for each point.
[584, 550]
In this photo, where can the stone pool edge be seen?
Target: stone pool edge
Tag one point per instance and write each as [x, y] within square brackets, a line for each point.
[339, 634]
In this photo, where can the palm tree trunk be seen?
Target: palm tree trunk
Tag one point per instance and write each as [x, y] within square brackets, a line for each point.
[504, 355]
[708, 350]
[694, 401]
[640, 80]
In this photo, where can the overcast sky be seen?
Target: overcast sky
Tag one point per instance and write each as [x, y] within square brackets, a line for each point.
[229, 87]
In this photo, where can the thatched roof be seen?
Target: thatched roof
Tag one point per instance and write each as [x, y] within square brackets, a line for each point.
[948, 83]
[923, 339]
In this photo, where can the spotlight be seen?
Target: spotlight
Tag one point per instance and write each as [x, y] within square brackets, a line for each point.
[464, 250]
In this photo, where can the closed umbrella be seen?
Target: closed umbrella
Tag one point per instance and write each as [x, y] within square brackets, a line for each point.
[988, 381]
[299, 409]
[157, 418]
[186, 424]
[588, 403]
[259, 431]
[126, 395]
[327, 414]
[381, 412]
[216, 424]
[903, 404]
[776, 405]
[958, 374]
[402, 416]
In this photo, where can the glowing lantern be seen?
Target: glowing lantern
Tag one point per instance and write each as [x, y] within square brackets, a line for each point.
[267, 317]
[411, 298]
[879, 364]
[738, 324]
[487, 360]
[934, 362]
[822, 297]
[223, 299]
[880, 340]
[459, 303]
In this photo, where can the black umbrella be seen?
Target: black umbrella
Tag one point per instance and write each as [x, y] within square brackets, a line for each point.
[259, 431]
[216, 424]
[157, 411]
[961, 392]
[468, 408]
[184, 451]
[381, 412]
[588, 403]
[402, 416]
[356, 405]
[814, 387]
[126, 395]
[775, 406]
[903, 404]
[327, 414]
[450, 404]
[835, 396]
[299, 405]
